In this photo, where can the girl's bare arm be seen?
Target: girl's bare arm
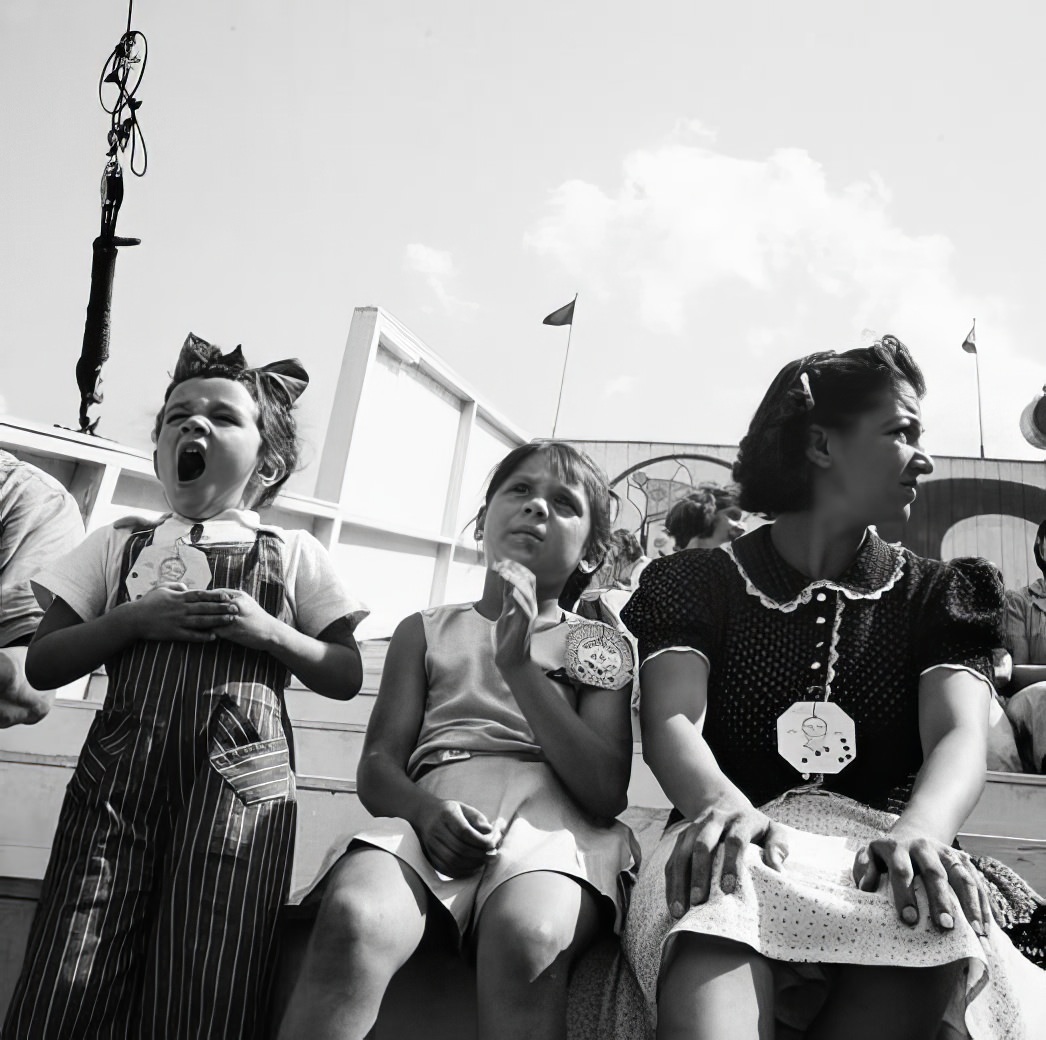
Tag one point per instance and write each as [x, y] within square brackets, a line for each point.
[590, 748]
[456, 837]
[395, 722]
[66, 647]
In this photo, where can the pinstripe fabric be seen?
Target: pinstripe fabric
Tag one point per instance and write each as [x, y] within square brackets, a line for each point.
[173, 850]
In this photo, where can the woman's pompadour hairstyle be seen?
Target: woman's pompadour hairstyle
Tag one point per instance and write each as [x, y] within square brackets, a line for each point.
[824, 389]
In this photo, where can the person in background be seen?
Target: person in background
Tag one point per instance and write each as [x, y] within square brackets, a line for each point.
[1024, 627]
[612, 583]
[629, 558]
[39, 521]
[706, 517]
[1003, 756]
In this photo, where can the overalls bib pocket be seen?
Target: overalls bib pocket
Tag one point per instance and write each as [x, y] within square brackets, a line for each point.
[111, 734]
[257, 770]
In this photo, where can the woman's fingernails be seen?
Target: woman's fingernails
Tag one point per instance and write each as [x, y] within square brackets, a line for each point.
[946, 920]
[729, 883]
[909, 915]
[676, 909]
[978, 928]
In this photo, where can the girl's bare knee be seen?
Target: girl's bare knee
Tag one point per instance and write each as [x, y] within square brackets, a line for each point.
[528, 947]
[350, 918]
[527, 937]
[363, 911]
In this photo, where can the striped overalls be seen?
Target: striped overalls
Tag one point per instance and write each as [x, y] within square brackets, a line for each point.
[173, 850]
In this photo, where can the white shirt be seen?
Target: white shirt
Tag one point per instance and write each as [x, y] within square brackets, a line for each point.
[88, 578]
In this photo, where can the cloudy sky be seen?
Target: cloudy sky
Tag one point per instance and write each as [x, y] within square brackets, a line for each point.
[725, 186]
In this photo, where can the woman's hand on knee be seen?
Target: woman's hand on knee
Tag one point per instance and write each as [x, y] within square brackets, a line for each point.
[951, 881]
[456, 837]
[688, 873]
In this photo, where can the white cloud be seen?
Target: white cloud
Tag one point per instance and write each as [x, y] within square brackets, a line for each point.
[766, 259]
[436, 266]
[686, 218]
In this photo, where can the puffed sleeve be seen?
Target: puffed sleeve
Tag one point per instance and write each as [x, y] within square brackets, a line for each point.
[675, 604]
[962, 619]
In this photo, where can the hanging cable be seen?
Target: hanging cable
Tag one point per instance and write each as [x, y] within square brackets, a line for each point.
[123, 72]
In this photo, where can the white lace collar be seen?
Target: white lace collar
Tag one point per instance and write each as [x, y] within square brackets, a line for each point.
[875, 570]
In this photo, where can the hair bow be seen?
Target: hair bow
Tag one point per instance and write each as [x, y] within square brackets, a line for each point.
[197, 355]
[289, 373]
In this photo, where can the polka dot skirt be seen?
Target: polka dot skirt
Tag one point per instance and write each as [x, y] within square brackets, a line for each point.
[812, 914]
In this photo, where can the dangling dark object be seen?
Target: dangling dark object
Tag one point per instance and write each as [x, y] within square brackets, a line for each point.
[1033, 420]
[124, 69]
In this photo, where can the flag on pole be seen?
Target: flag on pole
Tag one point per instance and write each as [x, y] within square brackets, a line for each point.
[970, 343]
[564, 316]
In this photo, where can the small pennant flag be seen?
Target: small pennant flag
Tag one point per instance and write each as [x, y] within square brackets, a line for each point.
[970, 343]
[564, 316]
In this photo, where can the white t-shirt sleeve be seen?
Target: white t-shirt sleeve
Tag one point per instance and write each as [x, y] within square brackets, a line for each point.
[88, 577]
[316, 595]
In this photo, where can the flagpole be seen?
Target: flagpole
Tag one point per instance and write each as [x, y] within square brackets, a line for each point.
[563, 378]
[980, 421]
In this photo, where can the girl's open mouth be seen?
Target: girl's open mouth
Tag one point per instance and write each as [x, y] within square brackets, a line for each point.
[191, 464]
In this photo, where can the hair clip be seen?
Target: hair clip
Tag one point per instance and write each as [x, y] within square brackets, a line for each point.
[808, 395]
[802, 396]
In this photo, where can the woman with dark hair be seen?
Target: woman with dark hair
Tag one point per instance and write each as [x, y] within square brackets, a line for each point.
[815, 703]
[706, 517]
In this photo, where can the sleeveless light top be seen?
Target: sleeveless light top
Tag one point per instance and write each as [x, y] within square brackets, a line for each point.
[469, 707]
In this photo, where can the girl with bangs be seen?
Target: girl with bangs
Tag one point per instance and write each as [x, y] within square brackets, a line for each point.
[496, 758]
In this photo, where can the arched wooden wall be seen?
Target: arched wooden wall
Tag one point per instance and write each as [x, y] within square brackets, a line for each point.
[997, 503]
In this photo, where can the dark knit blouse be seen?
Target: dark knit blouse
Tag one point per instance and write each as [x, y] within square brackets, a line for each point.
[772, 637]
